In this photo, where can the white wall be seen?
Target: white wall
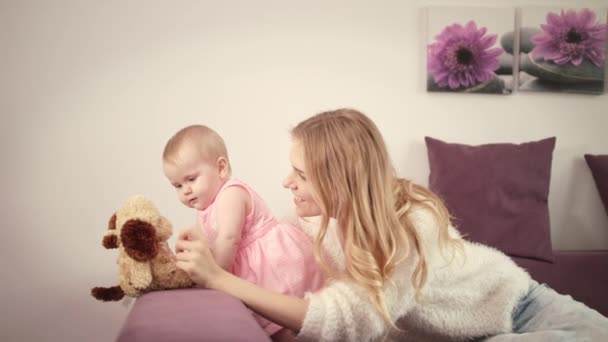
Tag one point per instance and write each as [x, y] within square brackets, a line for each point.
[91, 90]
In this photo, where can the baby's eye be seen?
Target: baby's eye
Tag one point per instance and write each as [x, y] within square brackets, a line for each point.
[191, 179]
[177, 186]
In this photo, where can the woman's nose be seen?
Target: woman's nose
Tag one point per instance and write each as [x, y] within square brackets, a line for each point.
[287, 183]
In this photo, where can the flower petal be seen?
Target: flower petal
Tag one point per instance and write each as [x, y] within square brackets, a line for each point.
[577, 60]
[554, 19]
[453, 81]
[587, 18]
[487, 41]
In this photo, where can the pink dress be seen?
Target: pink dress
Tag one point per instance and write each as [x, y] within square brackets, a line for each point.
[272, 254]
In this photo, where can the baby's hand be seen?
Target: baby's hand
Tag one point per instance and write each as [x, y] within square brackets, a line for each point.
[194, 256]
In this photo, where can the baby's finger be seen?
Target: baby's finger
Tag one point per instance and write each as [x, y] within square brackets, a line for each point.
[184, 234]
[184, 245]
[184, 256]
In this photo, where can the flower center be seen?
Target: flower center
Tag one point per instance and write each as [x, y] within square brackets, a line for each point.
[464, 56]
[573, 37]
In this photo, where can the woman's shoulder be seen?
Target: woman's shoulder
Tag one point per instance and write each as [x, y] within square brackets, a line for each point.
[424, 218]
[427, 217]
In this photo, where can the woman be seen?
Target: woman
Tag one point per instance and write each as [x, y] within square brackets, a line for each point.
[396, 267]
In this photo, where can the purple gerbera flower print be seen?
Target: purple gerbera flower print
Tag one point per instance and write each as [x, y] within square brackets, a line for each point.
[462, 56]
[571, 37]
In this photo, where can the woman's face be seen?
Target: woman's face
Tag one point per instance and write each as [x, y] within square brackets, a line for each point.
[298, 182]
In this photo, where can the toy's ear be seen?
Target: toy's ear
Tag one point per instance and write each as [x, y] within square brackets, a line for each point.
[139, 240]
[112, 222]
[110, 241]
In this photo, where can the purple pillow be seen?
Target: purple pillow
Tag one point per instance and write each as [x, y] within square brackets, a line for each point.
[497, 193]
[599, 169]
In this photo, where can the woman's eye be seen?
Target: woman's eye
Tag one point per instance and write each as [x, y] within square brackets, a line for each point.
[301, 177]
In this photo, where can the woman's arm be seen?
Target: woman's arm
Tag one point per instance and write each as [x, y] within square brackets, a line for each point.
[195, 258]
[286, 311]
[232, 208]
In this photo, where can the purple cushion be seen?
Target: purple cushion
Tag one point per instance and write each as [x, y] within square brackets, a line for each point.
[497, 193]
[189, 315]
[599, 168]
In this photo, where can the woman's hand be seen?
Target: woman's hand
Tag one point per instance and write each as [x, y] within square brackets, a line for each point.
[195, 258]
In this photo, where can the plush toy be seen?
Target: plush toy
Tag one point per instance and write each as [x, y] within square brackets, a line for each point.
[145, 261]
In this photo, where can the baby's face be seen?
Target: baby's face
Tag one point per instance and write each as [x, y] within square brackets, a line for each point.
[196, 181]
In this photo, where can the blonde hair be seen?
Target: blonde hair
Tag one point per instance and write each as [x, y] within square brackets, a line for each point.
[353, 180]
[209, 145]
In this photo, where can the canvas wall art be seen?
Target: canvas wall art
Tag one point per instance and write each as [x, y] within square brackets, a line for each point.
[563, 50]
[464, 52]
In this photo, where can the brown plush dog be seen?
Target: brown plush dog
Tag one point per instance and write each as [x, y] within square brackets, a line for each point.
[145, 261]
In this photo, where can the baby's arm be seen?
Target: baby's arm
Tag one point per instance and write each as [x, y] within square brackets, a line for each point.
[232, 207]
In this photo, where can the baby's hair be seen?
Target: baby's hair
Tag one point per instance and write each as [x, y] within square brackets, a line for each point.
[206, 141]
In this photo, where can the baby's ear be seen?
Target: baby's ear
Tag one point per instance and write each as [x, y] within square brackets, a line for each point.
[223, 167]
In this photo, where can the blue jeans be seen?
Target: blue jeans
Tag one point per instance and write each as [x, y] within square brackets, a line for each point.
[545, 315]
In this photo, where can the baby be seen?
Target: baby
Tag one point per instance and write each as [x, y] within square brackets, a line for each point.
[245, 237]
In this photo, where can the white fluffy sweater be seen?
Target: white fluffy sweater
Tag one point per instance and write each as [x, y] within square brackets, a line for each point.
[466, 298]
